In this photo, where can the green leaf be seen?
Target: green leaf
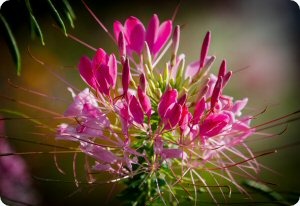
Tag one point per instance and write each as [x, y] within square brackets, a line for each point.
[69, 17]
[58, 18]
[12, 45]
[69, 9]
[34, 24]
[68, 12]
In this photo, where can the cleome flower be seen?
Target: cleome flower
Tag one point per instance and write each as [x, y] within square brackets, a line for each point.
[157, 125]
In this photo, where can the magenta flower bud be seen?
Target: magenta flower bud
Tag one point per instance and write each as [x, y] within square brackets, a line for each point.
[126, 76]
[223, 74]
[222, 69]
[168, 98]
[226, 78]
[144, 101]
[105, 71]
[122, 45]
[176, 39]
[204, 49]
[216, 93]
[101, 72]
[169, 109]
[143, 82]
[185, 119]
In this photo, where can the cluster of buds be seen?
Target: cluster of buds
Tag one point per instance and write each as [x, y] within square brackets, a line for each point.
[168, 120]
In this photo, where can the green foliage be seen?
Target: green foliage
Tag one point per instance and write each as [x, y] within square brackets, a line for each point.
[14, 50]
[36, 30]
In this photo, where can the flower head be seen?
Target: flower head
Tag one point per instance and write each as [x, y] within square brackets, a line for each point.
[180, 113]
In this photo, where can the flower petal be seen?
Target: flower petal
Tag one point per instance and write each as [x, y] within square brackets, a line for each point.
[164, 33]
[152, 31]
[136, 110]
[213, 125]
[98, 152]
[86, 71]
[112, 66]
[172, 116]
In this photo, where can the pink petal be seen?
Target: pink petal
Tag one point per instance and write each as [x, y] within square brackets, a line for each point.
[158, 145]
[118, 27]
[112, 65]
[238, 106]
[103, 79]
[99, 59]
[192, 69]
[130, 24]
[134, 32]
[137, 38]
[162, 36]
[86, 71]
[66, 132]
[84, 97]
[136, 110]
[102, 167]
[172, 116]
[98, 152]
[152, 31]
[213, 125]
[168, 98]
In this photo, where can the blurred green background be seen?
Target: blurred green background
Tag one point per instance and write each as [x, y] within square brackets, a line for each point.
[261, 34]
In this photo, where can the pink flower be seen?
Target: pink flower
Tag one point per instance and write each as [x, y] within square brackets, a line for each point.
[135, 34]
[100, 72]
[92, 120]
